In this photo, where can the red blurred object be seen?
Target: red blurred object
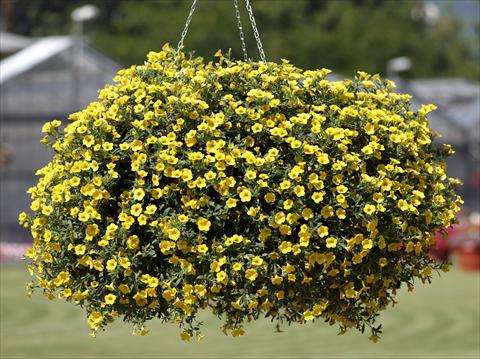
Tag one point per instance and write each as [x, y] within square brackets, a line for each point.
[443, 248]
[475, 178]
[466, 242]
[468, 257]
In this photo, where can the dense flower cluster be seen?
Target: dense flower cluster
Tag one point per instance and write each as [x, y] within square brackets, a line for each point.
[252, 189]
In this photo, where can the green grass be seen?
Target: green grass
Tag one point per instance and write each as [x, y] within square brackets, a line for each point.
[441, 320]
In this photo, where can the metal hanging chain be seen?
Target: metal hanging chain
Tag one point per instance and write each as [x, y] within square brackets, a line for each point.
[240, 29]
[187, 23]
[255, 31]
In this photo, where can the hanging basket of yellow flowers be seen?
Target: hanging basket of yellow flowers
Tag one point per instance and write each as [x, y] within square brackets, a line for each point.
[250, 188]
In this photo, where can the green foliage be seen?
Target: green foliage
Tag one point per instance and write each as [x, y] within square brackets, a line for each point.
[343, 35]
[49, 17]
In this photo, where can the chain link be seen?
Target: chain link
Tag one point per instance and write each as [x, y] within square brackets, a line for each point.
[255, 31]
[240, 29]
[185, 29]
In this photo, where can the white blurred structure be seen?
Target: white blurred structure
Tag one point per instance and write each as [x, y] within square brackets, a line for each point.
[84, 13]
[425, 11]
[398, 64]
[10, 43]
[40, 75]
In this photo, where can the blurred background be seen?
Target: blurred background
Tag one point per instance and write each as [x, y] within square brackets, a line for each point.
[56, 54]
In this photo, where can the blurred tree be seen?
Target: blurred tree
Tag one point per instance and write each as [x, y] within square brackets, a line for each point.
[48, 17]
[344, 35]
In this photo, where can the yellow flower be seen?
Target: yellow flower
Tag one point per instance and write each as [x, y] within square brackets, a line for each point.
[285, 229]
[237, 266]
[231, 202]
[237, 332]
[269, 197]
[47, 210]
[367, 150]
[322, 231]
[279, 218]
[186, 336]
[327, 211]
[153, 282]
[285, 247]
[142, 219]
[138, 194]
[331, 242]
[111, 264]
[136, 209]
[308, 315]
[367, 244]
[125, 262]
[80, 249]
[250, 174]
[183, 218]
[369, 129]
[91, 231]
[30, 252]
[202, 248]
[253, 304]
[287, 204]
[378, 197]
[151, 209]
[257, 261]
[277, 280]
[245, 195]
[110, 299]
[251, 274]
[299, 191]
[200, 290]
[323, 159]
[317, 197]
[256, 128]
[95, 317]
[221, 276]
[403, 205]
[240, 110]
[203, 224]
[210, 175]
[21, 217]
[124, 288]
[187, 175]
[140, 299]
[369, 209]
[350, 293]
[88, 140]
[173, 233]
[285, 184]
[236, 305]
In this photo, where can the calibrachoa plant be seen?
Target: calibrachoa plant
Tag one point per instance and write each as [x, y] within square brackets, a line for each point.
[251, 189]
